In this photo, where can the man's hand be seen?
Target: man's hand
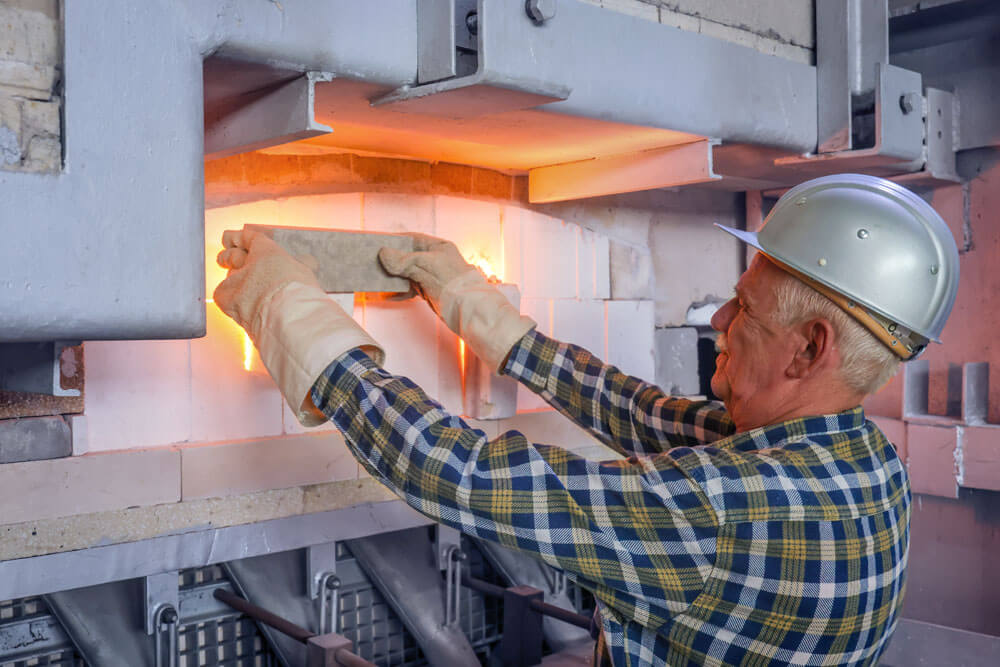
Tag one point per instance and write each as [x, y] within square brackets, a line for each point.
[461, 296]
[434, 264]
[294, 324]
[258, 267]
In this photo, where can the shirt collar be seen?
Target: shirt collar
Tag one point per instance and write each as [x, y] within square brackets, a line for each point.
[799, 428]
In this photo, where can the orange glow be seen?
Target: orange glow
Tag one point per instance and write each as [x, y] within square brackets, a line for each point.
[461, 363]
[247, 352]
[482, 263]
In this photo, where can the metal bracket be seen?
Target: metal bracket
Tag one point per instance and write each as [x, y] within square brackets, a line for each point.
[160, 591]
[276, 115]
[453, 585]
[448, 545]
[940, 142]
[322, 583]
[494, 86]
[34, 368]
[899, 133]
[162, 605]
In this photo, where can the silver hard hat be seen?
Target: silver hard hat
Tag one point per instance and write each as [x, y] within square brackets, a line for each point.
[872, 241]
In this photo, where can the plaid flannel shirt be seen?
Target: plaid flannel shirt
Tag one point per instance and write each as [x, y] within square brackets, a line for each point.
[785, 544]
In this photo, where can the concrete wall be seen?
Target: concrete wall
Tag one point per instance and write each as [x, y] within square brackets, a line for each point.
[783, 28]
[30, 73]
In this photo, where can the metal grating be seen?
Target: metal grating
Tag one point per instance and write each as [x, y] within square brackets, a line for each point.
[30, 635]
[214, 634]
[481, 616]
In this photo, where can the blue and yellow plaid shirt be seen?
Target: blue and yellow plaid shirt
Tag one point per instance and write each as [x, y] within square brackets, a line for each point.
[781, 545]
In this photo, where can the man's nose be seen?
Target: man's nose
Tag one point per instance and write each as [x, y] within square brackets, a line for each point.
[724, 316]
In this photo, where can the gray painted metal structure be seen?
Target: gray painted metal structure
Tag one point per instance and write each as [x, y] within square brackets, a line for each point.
[115, 246]
[87, 567]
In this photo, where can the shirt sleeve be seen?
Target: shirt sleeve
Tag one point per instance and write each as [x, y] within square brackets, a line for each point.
[629, 415]
[636, 532]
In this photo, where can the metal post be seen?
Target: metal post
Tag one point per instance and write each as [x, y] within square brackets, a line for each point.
[522, 627]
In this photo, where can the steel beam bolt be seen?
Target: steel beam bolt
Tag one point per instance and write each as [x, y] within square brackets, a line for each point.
[540, 11]
[908, 102]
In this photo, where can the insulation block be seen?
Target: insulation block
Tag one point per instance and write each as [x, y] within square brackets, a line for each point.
[630, 337]
[344, 261]
[631, 272]
[34, 439]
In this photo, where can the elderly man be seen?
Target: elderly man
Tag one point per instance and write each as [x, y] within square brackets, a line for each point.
[774, 531]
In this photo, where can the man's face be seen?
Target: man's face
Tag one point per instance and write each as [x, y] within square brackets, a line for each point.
[753, 349]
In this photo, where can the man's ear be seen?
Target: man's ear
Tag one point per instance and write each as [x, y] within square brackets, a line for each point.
[816, 348]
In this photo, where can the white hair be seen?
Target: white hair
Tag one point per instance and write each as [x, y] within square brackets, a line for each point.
[866, 363]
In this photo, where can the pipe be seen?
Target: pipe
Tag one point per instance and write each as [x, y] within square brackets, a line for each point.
[544, 608]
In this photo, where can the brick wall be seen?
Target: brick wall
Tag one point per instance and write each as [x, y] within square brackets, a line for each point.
[30, 72]
[147, 393]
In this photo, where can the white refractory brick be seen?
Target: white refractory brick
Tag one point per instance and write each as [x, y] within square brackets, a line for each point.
[449, 354]
[594, 262]
[228, 402]
[511, 217]
[344, 261]
[30, 35]
[631, 271]
[787, 20]
[580, 323]
[234, 468]
[407, 331]
[38, 490]
[488, 395]
[677, 360]
[548, 257]
[473, 226]
[138, 393]
[630, 337]
[397, 213]
[79, 434]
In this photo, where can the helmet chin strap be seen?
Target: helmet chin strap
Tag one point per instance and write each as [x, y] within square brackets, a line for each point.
[904, 343]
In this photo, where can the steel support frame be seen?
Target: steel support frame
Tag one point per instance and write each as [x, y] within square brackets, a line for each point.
[97, 565]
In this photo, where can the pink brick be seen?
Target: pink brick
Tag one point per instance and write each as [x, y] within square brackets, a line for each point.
[407, 330]
[895, 431]
[398, 213]
[234, 468]
[37, 490]
[549, 258]
[138, 393]
[474, 226]
[580, 323]
[229, 402]
[594, 279]
[630, 337]
[981, 457]
[931, 452]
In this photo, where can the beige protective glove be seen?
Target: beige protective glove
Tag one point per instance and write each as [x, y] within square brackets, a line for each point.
[297, 329]
[461, 296]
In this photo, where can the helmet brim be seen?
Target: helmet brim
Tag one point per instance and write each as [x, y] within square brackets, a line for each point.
[750, 238]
